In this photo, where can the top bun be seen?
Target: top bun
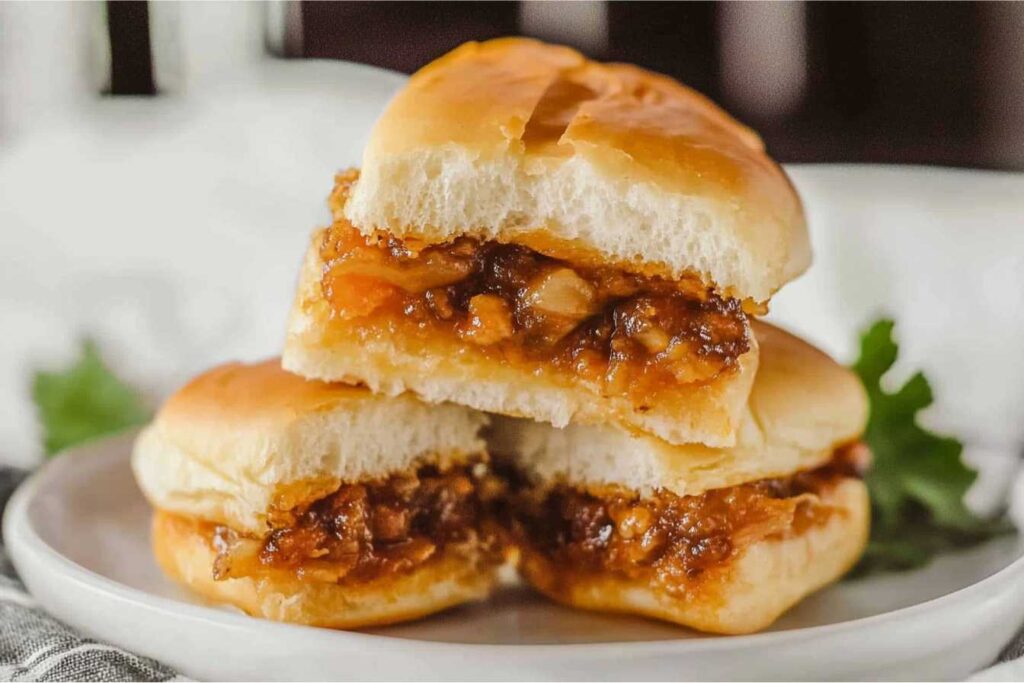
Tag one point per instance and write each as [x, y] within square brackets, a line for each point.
[519, 141]
[240, 438]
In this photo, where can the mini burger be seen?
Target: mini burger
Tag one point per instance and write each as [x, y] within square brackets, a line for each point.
[721, 540]
[316, 504]
[539, 235]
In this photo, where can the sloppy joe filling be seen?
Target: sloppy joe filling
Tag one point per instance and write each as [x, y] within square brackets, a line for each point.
[669, 539]
[368, 530]
[631, 333]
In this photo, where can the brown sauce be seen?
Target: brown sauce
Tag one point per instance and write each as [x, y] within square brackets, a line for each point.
[667, 538]
[632, 333]
[364, 531]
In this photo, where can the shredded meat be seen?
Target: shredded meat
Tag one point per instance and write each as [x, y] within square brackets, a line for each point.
[364, 531]
[632, 333]
[667, 538]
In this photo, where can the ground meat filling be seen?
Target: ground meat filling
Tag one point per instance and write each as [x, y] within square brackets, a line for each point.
[630, 332]
[673, 540]
[365, 531]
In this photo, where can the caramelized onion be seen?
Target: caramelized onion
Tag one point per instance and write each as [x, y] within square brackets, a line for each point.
[669, 538]
[363, 531]
[236, 555]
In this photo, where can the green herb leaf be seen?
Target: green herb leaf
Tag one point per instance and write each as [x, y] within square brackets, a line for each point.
[83, 402]
[917, 479]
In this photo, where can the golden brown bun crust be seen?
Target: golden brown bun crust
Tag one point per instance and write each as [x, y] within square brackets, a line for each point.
[477, 133]
[803, 397]
[747, 595]
[486, 94]
[260, 391]
[184, 554]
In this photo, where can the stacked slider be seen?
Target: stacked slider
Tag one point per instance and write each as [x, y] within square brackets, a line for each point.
[581, 250]
[318, 504]
[719, 539]
[539, 235]
[586, 247]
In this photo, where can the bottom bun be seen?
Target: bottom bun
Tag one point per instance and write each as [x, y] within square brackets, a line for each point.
[747, 594]
[183, 551]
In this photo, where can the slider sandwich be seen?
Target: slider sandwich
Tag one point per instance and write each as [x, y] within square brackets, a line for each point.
[318, 504]
[722, 540]
[542, 236]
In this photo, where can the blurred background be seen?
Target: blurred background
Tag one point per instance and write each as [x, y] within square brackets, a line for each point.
[902, 82]
[162, 165]
[897, 82]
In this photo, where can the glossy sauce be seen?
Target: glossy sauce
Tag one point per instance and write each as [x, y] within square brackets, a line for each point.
[632, 334]
[364, 531]
[673, 540]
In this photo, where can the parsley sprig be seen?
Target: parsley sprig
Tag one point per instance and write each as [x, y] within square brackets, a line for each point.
[917, 480]
[83, 402]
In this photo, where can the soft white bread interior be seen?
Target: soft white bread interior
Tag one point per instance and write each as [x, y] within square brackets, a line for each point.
[745, 595]
[513, 138]
[241, 438]
[802, 406]
[452, 370]
[183, 551]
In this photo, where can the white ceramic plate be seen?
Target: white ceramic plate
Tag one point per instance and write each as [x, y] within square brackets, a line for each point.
[78, 534]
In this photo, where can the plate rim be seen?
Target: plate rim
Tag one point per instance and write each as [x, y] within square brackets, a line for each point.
[22, 539]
